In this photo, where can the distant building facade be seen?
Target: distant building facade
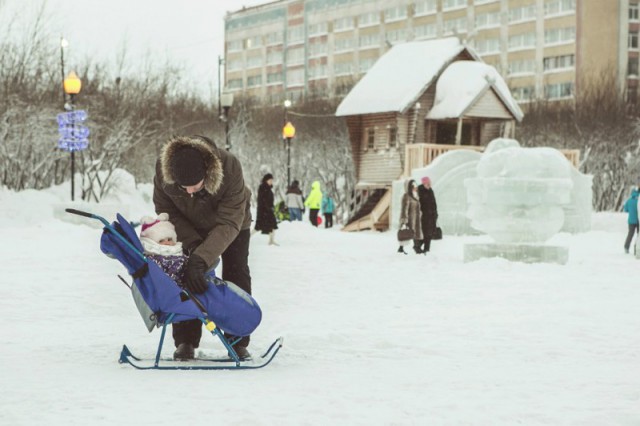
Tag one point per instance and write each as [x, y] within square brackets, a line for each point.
[547, 49]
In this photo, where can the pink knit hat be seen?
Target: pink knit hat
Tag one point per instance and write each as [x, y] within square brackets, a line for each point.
[425, 180]
[158, 229]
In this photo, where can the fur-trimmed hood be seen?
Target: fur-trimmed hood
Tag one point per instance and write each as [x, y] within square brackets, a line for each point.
[214, 171]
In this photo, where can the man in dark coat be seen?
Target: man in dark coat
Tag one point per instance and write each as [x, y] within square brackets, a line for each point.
[265, 217]
[429, 210]
[202, 189]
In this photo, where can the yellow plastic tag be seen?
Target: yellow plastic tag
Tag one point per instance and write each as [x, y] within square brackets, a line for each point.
[210, 325]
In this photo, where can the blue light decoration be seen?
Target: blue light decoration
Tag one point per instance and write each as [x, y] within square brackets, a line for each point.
[73, 134]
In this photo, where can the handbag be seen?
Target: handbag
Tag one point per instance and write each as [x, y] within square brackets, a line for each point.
[437, 235]
[405, 234]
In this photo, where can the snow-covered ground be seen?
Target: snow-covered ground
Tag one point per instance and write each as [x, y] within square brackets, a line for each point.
[372, 337]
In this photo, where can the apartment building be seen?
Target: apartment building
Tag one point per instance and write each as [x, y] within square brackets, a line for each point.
[544, 49]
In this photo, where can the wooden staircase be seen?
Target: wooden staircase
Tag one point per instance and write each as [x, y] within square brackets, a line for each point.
[373, 213]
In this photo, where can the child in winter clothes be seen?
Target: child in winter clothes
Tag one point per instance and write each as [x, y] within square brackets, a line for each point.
[160, 243]
[631, 207]
[327, 210]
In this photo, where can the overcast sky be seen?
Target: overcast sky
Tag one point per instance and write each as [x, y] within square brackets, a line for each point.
[190, 32]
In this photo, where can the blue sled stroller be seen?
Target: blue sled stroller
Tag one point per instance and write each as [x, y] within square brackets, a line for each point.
[160, 301]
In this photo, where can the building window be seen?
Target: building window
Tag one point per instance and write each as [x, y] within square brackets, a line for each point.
[633, 40]
[523, 13]
[274, 57]
[488, 20]
[273, 38]
[318, 29]
[453, 26]
[559, 35]
[234, 65]
[425, 7]
[234, 83]
[522, 94]
[395, 13]
[295, 77]
[477, 2]
[368, 19]
[453, 4]
[371, 138]
[295, 56]
[558, 90]
[274, 78]
[343, 68]
[396, 35]
[366, 64]
[344, 44]
[559, 7]
[488, 46]
[318, 49]
[632, 67]
[559, 62]
[522, 41]
[633, 12]
[526, 66]
[254, 62]
[425, 31]
[393, 137]
[295, 35]
[234, 46]
[343, 24]
[253, 42]
[370, 40]
[254, 80]
[318, 71]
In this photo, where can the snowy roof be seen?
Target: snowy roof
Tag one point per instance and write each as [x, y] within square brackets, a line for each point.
[400, 76]
[463, 83]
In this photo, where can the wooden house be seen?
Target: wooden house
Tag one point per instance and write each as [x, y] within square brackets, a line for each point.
[413, 105]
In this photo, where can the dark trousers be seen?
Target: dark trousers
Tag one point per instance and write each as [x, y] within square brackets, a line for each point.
[313, 216]
[426, 232]
[235, 268]
[328, 220]
[633, 229]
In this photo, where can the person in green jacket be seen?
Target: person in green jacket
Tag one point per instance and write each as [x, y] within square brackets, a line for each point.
[313, 201]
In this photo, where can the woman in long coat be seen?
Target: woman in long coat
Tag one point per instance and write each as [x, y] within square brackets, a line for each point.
[410, 215]
[266, 219]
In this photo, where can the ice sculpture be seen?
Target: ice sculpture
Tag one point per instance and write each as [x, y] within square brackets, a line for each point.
[518, 198]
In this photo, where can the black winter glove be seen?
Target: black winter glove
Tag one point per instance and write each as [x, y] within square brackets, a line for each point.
[194, 274]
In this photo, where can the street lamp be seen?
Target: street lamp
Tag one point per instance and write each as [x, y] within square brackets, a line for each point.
[287, 104]
[72, 85]
[288, 132]
[226, 100]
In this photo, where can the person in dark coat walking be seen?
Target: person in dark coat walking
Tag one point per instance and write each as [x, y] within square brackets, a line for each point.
[202, 190]
[429, 210]
[266, 218]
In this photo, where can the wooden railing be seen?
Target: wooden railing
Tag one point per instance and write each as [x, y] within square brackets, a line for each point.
[422, 154]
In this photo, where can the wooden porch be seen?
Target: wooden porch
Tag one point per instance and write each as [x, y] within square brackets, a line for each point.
[422, 154]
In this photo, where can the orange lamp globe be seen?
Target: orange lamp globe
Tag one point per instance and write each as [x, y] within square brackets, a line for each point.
[72, 84]
[288, 131]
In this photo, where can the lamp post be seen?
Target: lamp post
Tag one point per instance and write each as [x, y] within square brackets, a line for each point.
[287, 104]
[226, 100]
[63, 44]
[288, 132]
[72, 85]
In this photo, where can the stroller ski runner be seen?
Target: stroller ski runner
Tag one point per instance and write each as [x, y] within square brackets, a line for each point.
[160, 301]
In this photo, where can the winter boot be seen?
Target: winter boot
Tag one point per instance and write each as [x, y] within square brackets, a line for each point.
[242, 352]
[401, 250]
[184, 352]
[272, 239]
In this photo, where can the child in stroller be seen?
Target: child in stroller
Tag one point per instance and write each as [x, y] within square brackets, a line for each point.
[160, 242]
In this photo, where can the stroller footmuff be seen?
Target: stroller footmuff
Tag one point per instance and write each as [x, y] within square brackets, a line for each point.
[160, 301]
